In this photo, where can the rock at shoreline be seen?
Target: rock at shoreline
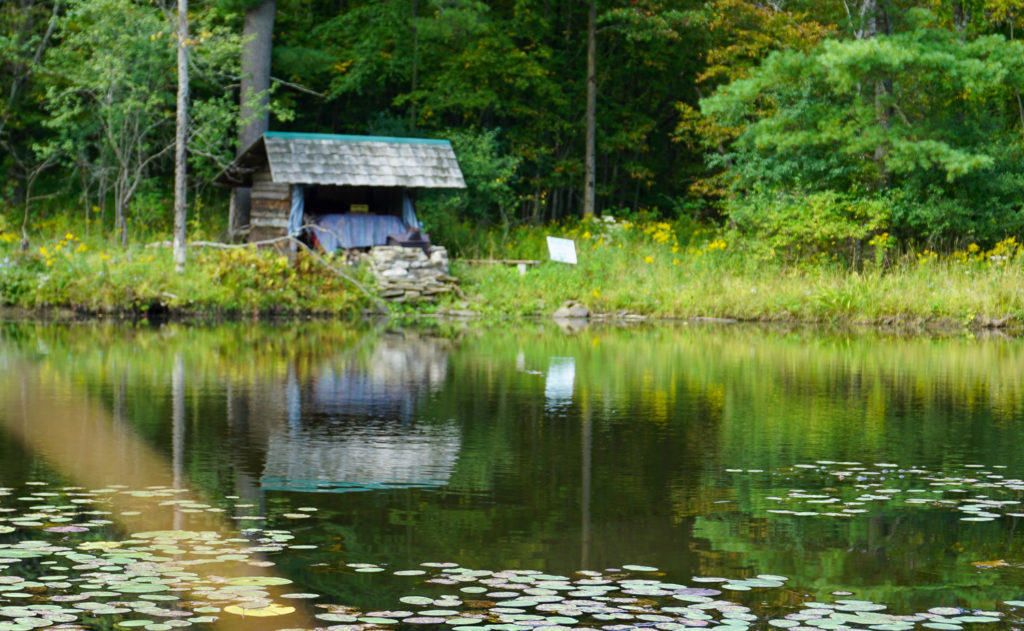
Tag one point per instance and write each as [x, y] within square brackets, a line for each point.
[572, 309]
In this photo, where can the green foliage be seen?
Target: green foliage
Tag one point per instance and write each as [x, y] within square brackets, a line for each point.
[739, 35]
[793, 227]
[490, 175]
[644, 266]
[924, 112]
[87, 275]
[214, 67]
[110, 94]
[519, 67]
[921, 109]
[664, 269]
[23, 39]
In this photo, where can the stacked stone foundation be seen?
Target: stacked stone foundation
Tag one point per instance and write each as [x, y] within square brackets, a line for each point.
[410, 274]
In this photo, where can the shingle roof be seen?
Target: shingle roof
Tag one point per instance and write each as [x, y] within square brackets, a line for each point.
[348, 161]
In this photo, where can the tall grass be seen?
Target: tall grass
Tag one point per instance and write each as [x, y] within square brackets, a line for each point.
[640, 266]
[92, 275]
[663, 269]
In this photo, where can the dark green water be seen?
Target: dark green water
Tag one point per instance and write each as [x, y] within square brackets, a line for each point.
[692, 449]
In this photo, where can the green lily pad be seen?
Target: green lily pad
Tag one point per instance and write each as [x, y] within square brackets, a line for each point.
[259, 581]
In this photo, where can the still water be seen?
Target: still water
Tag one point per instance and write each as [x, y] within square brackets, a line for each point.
[761, 468]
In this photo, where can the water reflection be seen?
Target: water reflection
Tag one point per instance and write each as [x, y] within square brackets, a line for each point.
[345, 457]
[400, 370]
[351, 422]
[524, 448]
[558, 386]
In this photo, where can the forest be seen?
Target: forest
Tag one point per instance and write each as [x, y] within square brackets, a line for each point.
[841, 119]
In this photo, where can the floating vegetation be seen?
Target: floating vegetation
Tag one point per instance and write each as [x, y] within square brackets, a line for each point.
[848, 489]
[62, 566]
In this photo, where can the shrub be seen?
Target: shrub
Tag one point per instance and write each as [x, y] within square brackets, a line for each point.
[490, 174]
[790, 226]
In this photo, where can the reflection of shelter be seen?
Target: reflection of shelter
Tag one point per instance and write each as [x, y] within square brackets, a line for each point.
[353, 458]
[350, 426]
[358, 190]
[387, 386]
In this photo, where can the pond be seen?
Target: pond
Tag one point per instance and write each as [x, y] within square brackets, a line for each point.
[515, 477]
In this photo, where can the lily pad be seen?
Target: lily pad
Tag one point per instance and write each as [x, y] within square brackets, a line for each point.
[262, 612]
[259, 581]
[639, 568]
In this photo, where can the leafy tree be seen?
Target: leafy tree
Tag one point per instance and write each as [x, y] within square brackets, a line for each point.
[490, 174]
[111, 91]
[925, 113]
[521, 67]
[739, 35]
[111, 99]
[26, 31]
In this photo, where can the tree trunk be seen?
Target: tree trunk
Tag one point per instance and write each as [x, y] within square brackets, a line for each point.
[589, 158]
[120, 224]
[961, 17]
[181, 139]
[258, 32]
[878, 23]
[254, 116]
[415, 58]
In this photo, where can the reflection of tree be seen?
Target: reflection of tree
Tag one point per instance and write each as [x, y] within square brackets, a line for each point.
[659, 412]
[521, 477]
[129, 368]
[907, 559]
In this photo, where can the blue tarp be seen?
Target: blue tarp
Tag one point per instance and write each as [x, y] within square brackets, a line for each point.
[409, 212]
[355, 231]
[298, 207]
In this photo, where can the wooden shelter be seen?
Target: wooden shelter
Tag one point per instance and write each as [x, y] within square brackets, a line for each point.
[361, 186]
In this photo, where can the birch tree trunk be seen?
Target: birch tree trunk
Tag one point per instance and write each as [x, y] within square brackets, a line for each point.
[181, 140]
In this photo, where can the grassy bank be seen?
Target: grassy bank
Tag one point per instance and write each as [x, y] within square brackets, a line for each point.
[92, 276]
[665, 270]
[647, 268]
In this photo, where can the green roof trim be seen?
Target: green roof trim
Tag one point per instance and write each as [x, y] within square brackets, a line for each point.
[344, 138]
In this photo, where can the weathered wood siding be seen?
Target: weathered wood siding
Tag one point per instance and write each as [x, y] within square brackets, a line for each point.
[271, 204]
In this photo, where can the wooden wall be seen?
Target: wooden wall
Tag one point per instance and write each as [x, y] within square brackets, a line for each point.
[271, 205]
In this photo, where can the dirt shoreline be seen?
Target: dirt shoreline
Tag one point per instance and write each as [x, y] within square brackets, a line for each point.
[903, 325]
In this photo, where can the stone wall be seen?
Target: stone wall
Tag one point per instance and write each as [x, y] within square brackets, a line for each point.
[411, 275]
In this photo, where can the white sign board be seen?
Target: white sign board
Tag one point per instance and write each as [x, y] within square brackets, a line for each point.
[562, 250]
